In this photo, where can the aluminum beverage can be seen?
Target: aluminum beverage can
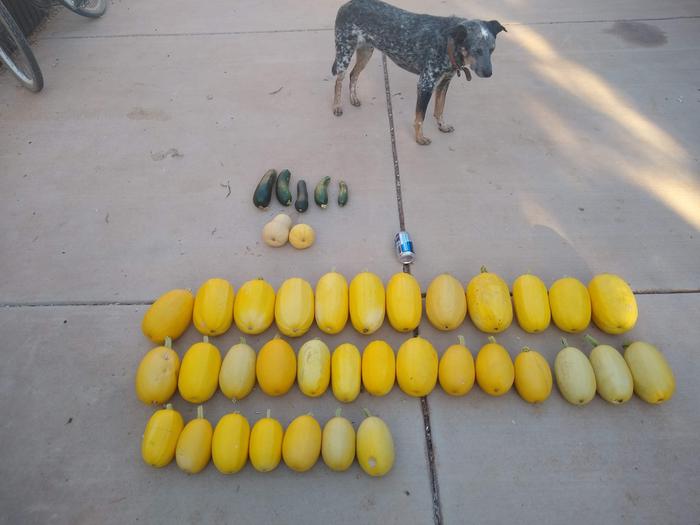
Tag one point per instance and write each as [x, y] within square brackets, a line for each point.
[404, 247]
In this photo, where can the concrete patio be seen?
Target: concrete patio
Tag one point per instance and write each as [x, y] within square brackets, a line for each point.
[579, 156]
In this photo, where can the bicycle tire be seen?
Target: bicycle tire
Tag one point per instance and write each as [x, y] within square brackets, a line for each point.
[89, 8]
[32, 79]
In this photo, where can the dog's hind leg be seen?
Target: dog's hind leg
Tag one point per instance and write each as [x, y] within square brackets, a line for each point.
[440, 95]
[345, 44]
[363, 54]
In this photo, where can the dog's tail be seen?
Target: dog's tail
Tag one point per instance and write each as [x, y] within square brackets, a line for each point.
[334, 69]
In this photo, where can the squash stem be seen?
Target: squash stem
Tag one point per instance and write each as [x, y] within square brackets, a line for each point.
[268, 413]
[367, 412]
[526, 348]
[169, 406]
[242, 340]
[461, 340]
[200, 412]
[168, 342]
[591, 340]
[564, 342]
[492, 339]
[338, 411]
[626, 344]
[484, 269]
[205, 338]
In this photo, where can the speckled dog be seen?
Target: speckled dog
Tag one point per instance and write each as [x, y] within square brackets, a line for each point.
[433, 47]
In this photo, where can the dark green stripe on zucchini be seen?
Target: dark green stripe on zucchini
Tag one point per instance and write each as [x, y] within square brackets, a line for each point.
[263, 193]
[302, 203]
[342, 193]
[282, 188]
[321, 192]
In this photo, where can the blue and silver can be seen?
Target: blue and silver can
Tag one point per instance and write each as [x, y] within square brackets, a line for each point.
[404, 247]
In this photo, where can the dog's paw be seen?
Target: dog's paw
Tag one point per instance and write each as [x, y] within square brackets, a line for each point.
[445, 128]
[337, 111]
[354, 99]
[423, 141]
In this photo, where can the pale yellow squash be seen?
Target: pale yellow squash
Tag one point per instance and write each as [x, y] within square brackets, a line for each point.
[378, 368]
[213, 307]
[367, 302]
[168, 316]
[294, 307]
[612, 375]
[417, 367]
[266, 444]
[237, 374]
[160, 437]
[302, 236]
[533, 377]
[229, 445]
[156, 376]
[574, 375]
[488, 302]
[495, 372]
[570, 305]
[313, 368]
[375, 446]
[338, 443]
[199, 372]
[531, 303]
[404, 307]
[301, 444]
[346, 372]
[445, 302]
[331, 302]
[254, 307]
[276, 367]
[456, 371]
[653, 378]
[613, 306]
[193, 450]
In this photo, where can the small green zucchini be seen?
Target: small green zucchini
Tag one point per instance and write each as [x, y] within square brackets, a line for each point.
[282, 188]
[263, 193]
[321, 192]
[302, 203]
[342, 193]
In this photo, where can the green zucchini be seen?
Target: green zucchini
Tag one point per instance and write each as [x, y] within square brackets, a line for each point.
[282, 188]
[263, 193]
[302, 202]
[342, 193]
[321, 192]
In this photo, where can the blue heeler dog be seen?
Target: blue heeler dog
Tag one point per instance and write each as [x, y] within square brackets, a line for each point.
[432, 47]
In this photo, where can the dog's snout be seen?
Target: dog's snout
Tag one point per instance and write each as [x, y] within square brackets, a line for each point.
[486, 73]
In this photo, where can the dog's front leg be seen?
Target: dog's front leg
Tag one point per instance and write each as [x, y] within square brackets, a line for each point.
[440, 95]
[426, 83]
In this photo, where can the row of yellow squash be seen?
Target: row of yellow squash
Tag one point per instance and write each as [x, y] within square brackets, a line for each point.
[608, 300]
[416, 368]
[232, 442]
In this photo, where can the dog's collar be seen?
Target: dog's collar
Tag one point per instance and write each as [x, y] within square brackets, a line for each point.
[455, 66]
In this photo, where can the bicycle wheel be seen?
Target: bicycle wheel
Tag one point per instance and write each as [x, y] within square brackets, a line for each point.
[89, 8]
[16, 54]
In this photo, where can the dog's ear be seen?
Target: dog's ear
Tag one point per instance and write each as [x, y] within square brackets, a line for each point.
[495, 27]
[458, 34]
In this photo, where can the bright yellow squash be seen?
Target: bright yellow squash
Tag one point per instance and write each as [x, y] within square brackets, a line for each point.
[193, 450]
[494, 369]
[199, 373]
[160, 437]
[456, 370]
[254, 307]
[574, 375]
[533, 377]
[213, 307]
[156, 376]
[613, 306]
[314, 368]
[652, 375]
[276, 367]
[570, 305]
[367, 302]
[531, 303]
[168, 316]
[338, 443]
[488, 302]
[445, 302]
[417, 367]
[346, 372]
[612, 375]
[404, 306]
[229, 445]
[294, 307]
[301, 444]
[237, 374]
[375, 446]
[266, 444]
[378, 368]
[332, 303]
